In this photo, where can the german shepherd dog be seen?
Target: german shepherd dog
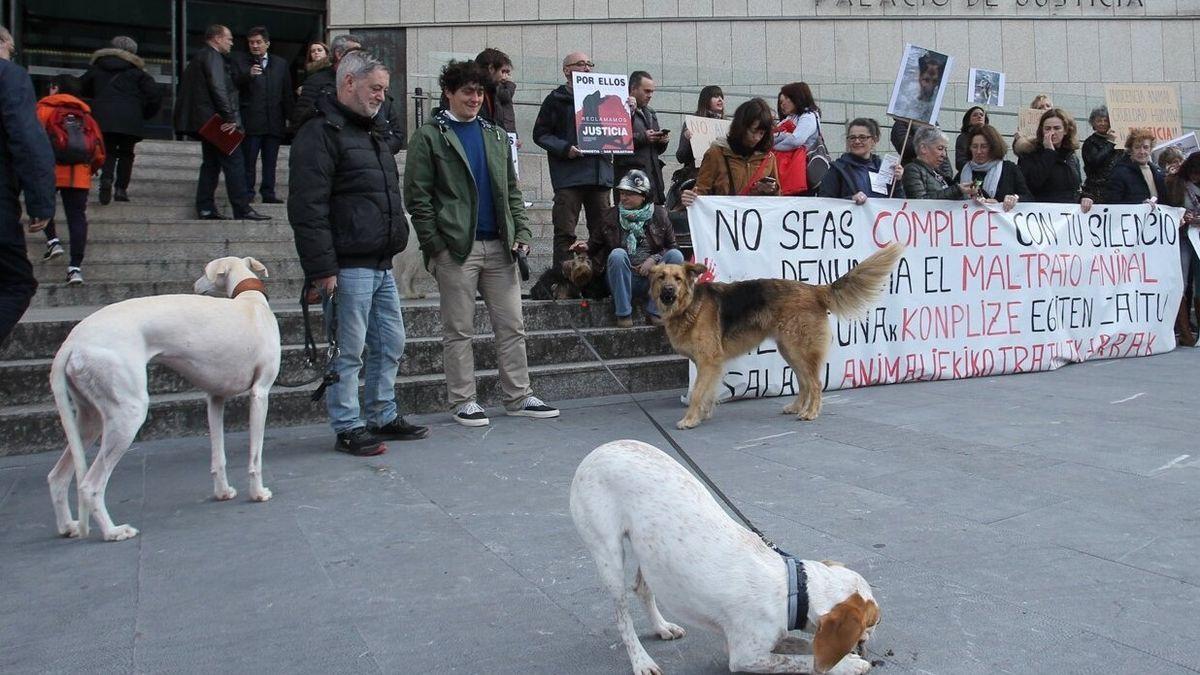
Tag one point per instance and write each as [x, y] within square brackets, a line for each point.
[712, 323]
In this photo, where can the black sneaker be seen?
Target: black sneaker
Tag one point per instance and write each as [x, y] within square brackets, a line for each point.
[471, 414]
[534, 407]
[400, 430]
[360, 443]
[53, 250]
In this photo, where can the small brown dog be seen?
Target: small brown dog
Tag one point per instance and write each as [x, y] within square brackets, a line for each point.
[712, 323]
[573, 279]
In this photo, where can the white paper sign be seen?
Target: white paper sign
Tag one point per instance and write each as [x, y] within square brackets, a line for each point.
[978, 292]
[1186, 143]
[881, 181]
[512, 147]
[705, 130]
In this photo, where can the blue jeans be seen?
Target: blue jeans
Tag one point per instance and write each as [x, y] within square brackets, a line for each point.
[368, 315]
[625, 285]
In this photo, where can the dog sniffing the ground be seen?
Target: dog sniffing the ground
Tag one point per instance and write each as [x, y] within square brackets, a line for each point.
[709, 570]
[224, 346]
[712, 323]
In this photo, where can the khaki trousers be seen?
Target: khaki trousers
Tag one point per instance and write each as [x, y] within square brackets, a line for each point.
[491, 271]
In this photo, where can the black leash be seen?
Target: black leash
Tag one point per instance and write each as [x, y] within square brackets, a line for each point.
[670, 439]
[313, 361]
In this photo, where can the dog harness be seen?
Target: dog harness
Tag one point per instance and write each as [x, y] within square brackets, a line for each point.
[797, 593]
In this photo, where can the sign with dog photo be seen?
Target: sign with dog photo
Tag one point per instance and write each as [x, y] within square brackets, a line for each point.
[977, 292]
[602, 119]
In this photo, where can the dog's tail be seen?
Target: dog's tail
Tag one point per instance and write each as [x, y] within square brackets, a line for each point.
[852, 292]
[68, 414]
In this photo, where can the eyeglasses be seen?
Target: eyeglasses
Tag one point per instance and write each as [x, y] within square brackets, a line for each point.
[581, 64]
[859, 139]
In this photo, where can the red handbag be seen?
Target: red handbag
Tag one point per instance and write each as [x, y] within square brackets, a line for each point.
[792, 165]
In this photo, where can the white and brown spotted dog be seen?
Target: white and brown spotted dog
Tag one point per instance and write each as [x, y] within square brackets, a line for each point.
[708, 569]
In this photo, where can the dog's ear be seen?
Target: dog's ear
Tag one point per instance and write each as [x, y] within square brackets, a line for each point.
[694, 269]
[839, 632]
[216, 268]
[256, 267]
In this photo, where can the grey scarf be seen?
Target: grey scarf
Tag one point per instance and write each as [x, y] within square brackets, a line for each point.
[991, 182]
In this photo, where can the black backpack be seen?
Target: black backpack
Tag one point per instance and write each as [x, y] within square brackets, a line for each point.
[69, 134]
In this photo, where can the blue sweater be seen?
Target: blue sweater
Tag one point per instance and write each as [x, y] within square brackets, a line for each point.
[470, 134]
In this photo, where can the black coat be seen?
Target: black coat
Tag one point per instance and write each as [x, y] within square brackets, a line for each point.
[1127, 186]
[1099, 156]
[123, 94]
[645, 154]
[554, 131]
[267, 99]
[322, 83]
[1052, 175]
[26, 158]
[344, 202]
[207, 89]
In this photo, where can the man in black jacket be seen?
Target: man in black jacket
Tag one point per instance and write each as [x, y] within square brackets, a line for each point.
[207, 89]
[123, 97]
[26, 165]
[265, 83]
[348, 219]
[649, 141]
[579, 180]
[321, 83]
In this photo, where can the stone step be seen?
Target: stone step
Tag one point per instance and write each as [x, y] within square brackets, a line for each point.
[26, 381]
[36, 427]
[146, 209]
[42, 330]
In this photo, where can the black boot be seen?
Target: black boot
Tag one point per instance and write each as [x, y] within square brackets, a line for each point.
[120, 196]
[105, 191]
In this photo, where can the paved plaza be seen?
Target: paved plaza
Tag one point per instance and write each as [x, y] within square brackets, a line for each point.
[1042, 523]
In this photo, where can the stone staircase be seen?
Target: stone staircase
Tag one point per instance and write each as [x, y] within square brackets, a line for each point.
[152, 245]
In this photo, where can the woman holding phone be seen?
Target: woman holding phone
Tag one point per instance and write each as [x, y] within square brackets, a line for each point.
[741, 163]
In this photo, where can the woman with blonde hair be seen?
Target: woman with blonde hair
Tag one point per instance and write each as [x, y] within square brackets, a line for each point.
[1021, 144]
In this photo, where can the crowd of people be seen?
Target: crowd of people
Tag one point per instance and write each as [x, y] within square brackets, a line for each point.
[348, 208]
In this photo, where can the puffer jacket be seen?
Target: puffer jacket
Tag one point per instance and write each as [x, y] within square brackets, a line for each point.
[1126, 185]
[922, 181]
[344, 203]
[441, 192]
[660, 236]
[123, 94]
[724, 172]
[206, 89]
[26, 158]
[554, 131]
[77, 176]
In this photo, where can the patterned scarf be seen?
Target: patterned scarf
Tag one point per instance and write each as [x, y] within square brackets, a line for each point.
[634, 223]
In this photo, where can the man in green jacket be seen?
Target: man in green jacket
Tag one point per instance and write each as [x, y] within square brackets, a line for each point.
[469, 216]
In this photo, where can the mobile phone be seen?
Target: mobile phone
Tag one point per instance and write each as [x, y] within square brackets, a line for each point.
[664, 132]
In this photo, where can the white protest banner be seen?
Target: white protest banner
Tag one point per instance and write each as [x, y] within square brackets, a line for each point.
[1143, 106]
[978, 292]
[704, 131]
[1193, 234]
[602, 119]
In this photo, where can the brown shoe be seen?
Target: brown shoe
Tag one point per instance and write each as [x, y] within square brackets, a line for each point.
[1183, 327]
[624, 322]
[653, 320]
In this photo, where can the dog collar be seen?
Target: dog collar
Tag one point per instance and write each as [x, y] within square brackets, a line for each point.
[249, 284]
[797, 593]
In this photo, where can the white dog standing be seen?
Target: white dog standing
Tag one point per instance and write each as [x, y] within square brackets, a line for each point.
[224, 346]
[708, 568]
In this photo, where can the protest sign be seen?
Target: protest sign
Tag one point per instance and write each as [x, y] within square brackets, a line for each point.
[602, 119]
[1027, 122]
[1187, 144]
[882, 179]
[1149, 106]
[978, 292]
[921, 83]
[512, 151]
[704, 131]
[985, 87]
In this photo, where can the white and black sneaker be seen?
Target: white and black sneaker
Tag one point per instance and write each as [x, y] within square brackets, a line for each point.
[74, 276]
[471, 414]
[53, 250]
[533, 406]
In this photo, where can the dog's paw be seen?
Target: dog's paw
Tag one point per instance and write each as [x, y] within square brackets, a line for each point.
[70, 530]
[646, 666]
[792, 408]
[120, 533]
[224, 494]
[853, 664]
[260, 495]
[670, 631]
[687, 423]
